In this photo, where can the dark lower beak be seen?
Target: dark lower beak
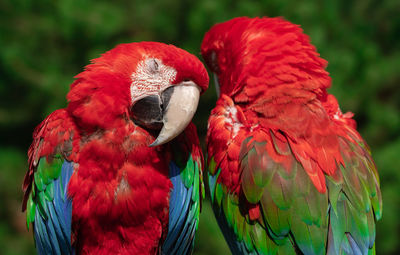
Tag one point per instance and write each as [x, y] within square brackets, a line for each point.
[169, 112]
[148, 112]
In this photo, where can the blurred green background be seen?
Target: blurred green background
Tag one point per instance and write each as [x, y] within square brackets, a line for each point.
[44, 43]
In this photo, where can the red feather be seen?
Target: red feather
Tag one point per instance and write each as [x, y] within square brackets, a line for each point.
[120, 187]
[294, 144]
[274, 69]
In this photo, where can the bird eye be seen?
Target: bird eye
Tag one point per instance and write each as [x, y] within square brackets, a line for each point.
[214, 62]
[153, 65]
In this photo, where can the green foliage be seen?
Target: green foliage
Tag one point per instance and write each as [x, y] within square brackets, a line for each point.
[45, 43]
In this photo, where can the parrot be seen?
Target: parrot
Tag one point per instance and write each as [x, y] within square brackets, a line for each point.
[287, 171]
[119, 170]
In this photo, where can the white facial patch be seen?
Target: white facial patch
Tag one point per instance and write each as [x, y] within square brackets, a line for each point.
[151, 77]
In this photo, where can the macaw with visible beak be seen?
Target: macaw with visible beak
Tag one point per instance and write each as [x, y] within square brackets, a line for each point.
[288, 172]
[119, 170]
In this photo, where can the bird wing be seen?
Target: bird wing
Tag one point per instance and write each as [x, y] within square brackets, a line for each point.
[185, 170]
[46, 201]
[272, 205]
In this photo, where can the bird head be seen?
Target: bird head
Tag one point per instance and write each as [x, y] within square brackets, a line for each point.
[246, 52]
[157, 86]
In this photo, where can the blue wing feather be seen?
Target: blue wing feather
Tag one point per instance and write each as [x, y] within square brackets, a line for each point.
[236, 247]
[182, 220]
[354, 247]
[53, 235]
[39, 235]
[183, 228]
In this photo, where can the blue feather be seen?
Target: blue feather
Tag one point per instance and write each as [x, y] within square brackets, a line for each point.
[59, 211]
[236, 247]
[182, 228]
[188, 235]
[42, 236]
[62, 237]
[212, 181]
[38, 242]
[354, 247]
[50, 229]
[182, 211]
[53, 235]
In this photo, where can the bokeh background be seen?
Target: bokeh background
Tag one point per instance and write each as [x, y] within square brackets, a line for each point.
[44, 43]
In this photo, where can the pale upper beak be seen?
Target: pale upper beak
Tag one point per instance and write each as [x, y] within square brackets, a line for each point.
[179, 111]
[171, 111]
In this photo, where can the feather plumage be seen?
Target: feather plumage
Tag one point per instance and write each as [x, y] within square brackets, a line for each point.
[94, 186]
[288, 172]
[49, 208]
[186, 195]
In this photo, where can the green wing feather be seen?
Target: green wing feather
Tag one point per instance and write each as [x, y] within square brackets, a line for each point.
[43, 187]
[186, 195]
[294, 216]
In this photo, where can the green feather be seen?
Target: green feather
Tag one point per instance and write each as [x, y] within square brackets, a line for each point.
[366, 196]
[196, 193]
[338, 223]
[218, 193]
[277, 220]
[260, 164]
[310, 238]
[39, 180]
[229, 211]
[30, 212]
[302, 181]
[252, 191]
[212, 166]
[188, 173]
[240, 221]
[261, 240]
[247, 237]
[358, 225]
[333, 192]
[371, 227]
[372, 250]
[292, 209]
[42, 205]
[281, 190]
[287, 248]
[49, 192]
[43, 188]
[54, 169]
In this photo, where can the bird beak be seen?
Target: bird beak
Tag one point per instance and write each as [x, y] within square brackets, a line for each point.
[216, 84]
[179, 110]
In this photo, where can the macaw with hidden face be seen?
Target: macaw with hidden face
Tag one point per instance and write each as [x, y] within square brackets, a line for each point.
[118, 171]
[288, 172]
